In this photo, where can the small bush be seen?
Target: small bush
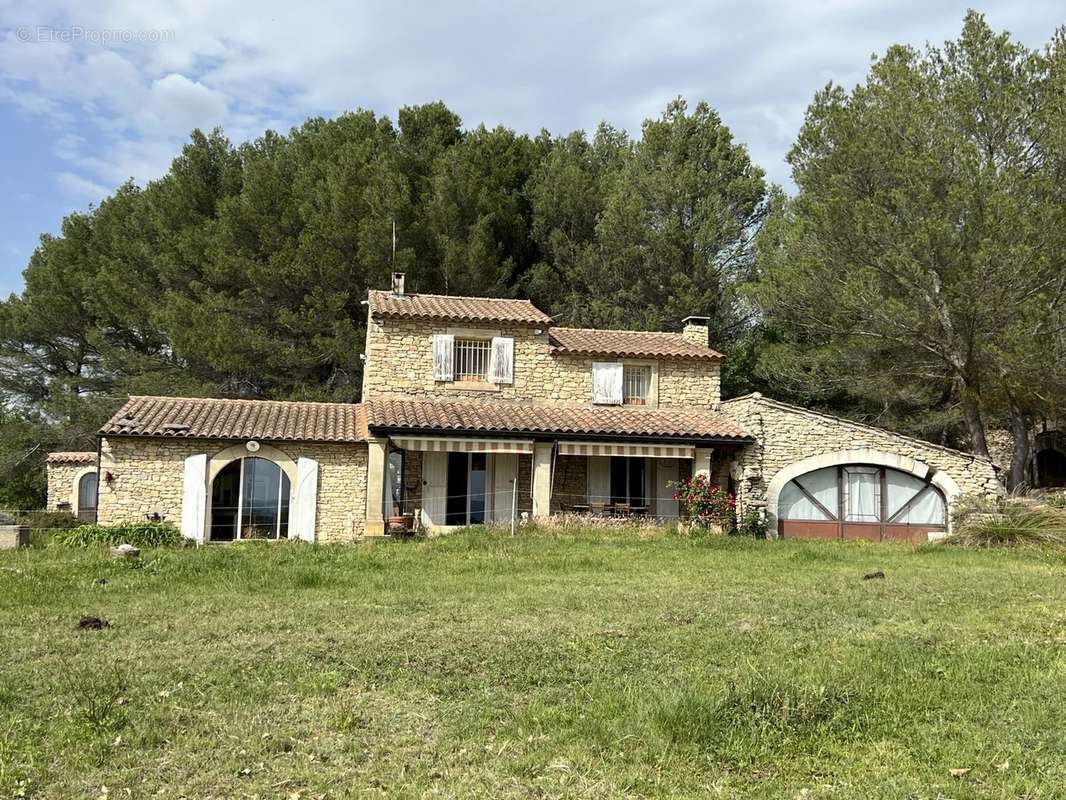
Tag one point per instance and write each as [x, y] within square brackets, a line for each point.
[752, 525]
[139, 534]
[49, 520]
[1007, 523]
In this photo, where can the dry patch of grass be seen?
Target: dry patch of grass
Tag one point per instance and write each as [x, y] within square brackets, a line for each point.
[580, 664]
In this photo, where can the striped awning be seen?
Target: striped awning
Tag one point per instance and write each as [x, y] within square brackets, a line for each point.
[454, 444]
[625, 449]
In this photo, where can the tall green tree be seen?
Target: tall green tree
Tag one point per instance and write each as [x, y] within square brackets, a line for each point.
[675, 234]
[924, 248]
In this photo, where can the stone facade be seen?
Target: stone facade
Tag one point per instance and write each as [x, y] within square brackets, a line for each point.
[569, 482]
[399, 362]
[789, 434]
[147, 475]
[62, 490]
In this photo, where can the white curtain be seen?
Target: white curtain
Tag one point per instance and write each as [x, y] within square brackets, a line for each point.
[862, 494]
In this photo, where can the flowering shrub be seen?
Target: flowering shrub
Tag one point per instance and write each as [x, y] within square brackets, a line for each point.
[705, 503]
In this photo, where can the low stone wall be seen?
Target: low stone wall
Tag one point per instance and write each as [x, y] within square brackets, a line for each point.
[147, 476]
[789, 434]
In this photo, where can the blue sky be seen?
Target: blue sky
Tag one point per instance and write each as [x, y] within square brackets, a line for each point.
[83, 111]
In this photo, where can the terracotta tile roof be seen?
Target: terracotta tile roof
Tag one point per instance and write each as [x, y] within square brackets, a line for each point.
[631, 344]
[208, 418]
[483, 417]
[459, 309]
[72, 458]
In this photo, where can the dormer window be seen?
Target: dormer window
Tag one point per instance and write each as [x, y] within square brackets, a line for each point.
[636, 384]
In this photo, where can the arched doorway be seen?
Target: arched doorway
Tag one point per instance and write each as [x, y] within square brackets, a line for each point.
[250, 500]
[87, 494]
[1050, 468]
[860, 501]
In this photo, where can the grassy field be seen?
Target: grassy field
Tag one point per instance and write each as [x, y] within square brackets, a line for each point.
[478, 665]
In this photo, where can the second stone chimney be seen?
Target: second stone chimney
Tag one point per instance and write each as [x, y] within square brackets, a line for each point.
[696, 330]
[397, 284]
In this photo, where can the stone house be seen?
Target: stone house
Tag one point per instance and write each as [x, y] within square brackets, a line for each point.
[478, 410]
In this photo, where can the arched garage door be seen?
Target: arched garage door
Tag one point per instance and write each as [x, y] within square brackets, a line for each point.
[856, 501]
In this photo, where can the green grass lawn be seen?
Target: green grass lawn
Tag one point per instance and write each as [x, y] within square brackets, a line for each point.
[478, 665]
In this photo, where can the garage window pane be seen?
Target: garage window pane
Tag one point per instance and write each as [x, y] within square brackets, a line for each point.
[821, 484]
[862, 494]
[929, 509]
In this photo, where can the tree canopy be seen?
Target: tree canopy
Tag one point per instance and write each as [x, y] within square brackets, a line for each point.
[921, 263]
[915, 279]
[242, 271]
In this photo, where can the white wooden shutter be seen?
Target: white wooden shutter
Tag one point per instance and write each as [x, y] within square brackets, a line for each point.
[304, 512]
[501, 360]
[607, 382]
[599, 481]
[194, 498]
[443, 357]
[434, 487]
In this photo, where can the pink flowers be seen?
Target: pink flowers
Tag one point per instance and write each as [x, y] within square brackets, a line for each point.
[705, 502]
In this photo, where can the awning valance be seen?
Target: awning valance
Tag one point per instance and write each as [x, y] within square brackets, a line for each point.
[626, 449]
[455, 444]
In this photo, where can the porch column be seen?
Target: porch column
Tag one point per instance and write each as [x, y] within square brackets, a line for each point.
[701, 462]
[542, 478]
[375, 486]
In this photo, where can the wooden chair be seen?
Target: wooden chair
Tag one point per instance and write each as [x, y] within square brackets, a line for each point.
[598, 509]
[622, 509]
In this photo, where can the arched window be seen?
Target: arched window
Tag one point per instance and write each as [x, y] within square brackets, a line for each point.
[855, 501]
[250, 500]
[87, 485]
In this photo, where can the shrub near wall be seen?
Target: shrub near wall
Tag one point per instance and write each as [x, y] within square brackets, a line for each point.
[140, 534]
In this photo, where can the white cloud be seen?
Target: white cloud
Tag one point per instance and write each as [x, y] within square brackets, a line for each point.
[124, 109]
[80, 188]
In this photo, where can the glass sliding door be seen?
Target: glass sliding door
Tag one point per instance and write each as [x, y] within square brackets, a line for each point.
[467, 496]
[629, 481]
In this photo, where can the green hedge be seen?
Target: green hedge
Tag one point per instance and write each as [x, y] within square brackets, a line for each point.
[139, 534]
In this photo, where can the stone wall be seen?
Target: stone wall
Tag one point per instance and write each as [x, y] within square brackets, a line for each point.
[61, 477]
[569, 482]
[788, 434]
[148, 475]
[399, 362]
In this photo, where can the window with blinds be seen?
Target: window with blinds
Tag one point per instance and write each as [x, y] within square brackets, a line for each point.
[472, 359]
[636, 385]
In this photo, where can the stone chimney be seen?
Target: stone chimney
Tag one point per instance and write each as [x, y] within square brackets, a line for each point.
[696, 330]
[397, 284]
